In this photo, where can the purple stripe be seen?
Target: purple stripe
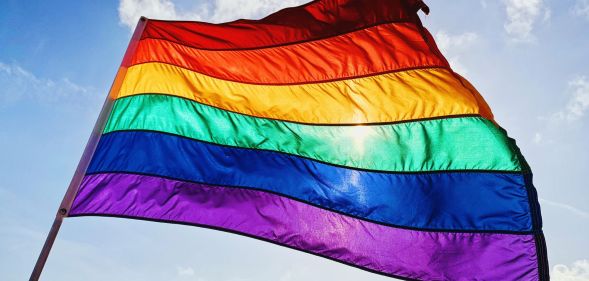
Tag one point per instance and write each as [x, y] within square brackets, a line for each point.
[398, 252]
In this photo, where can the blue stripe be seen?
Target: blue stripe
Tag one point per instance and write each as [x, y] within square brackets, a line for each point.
[455, 201]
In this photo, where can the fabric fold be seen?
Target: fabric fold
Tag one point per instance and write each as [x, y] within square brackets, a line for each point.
[458, 201]
[399, 96]
[378, 49]
[336, 128]
[461, 143]
[390, 251]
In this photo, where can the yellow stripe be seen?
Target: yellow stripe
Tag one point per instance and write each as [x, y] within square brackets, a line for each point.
[392, 97]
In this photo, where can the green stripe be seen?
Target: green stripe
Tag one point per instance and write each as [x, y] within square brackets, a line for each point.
[466, 143]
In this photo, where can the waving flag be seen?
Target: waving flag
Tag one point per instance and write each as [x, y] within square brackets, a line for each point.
[336, 128]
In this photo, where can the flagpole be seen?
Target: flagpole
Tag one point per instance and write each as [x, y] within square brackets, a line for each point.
[76, 181]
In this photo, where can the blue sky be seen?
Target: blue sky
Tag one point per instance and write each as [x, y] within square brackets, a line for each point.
[529, 59]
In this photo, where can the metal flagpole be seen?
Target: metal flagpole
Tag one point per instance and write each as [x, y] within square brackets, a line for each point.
[72, 190]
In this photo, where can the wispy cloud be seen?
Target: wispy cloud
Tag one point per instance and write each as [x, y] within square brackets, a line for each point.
[566, 116]
[538, 138]
[185, 271]
[567, 207]
[214, 11]
[578, 103]
[19, 83]
[581, 9]
[522, 18]
[579, 271]
[20, 243]
[131, 10]
[453, 45]
[225, 10]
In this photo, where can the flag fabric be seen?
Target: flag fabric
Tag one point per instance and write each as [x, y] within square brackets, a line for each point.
[336, 128]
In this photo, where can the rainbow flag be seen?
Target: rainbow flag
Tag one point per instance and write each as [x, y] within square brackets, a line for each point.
[336, 128]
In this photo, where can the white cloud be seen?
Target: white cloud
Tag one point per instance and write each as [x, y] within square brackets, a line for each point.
[581, 8]
[578, 104]
[131, 10]
[217, 11]
[453, 45]
[19, 83]
[567, 207]
[538, 138]
[184, 271]
[226, 10]
[579, 271]
[567, 116]
[484, 4]
[446, 42]
[522, 16]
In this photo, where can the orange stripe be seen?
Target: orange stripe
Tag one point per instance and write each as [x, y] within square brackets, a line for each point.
[379, 49]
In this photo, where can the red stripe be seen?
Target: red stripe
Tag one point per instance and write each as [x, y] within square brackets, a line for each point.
[379, 49]
[318, 19]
